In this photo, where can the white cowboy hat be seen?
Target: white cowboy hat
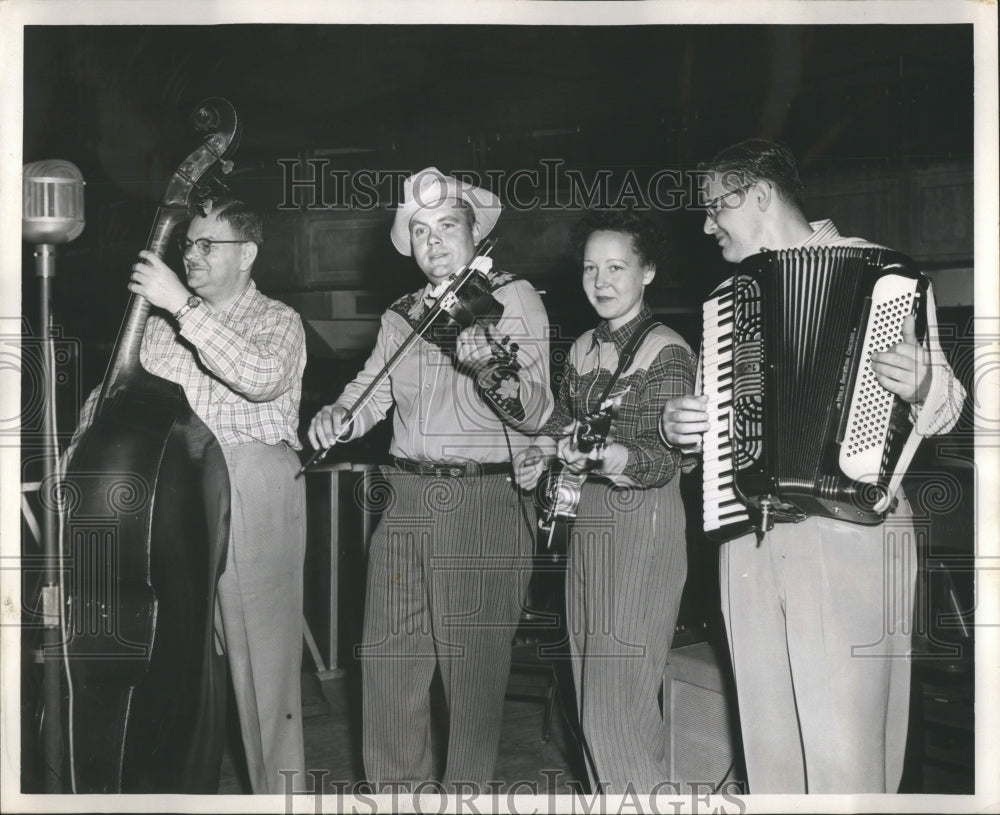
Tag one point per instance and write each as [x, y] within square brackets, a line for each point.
[431, 188]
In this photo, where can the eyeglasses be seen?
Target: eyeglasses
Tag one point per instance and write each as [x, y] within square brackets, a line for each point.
[204, 245]
[716, 205]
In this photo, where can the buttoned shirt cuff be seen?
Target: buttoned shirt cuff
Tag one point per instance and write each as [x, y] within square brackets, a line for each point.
[356, 429]
[690, 454]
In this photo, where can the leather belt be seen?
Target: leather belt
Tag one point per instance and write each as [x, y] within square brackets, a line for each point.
[440, 469]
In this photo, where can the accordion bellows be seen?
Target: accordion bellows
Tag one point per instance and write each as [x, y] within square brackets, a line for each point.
[799, 425]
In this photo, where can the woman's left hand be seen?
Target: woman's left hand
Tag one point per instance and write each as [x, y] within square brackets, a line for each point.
[614, 459]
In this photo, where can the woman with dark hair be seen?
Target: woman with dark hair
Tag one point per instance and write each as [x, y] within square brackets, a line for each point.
[627, 559]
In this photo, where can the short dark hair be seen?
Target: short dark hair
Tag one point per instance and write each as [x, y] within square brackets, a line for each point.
[759, 159]
[247, 225]
[647, 238]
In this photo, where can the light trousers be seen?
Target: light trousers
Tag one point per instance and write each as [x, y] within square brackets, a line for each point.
[259, 618]
[819, 620]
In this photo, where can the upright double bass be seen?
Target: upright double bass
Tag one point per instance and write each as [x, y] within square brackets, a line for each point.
[146, 526]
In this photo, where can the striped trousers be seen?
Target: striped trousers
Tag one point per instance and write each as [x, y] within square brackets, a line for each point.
[627, 567]
[448, 569]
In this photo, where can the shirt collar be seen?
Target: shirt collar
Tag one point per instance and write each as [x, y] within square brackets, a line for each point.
[621, 335]
[823, 232]
[243, 305]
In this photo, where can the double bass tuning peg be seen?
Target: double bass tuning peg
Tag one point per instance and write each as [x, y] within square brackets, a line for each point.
[204, 117]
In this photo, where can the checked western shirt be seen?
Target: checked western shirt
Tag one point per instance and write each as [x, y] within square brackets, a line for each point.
[593, 360]
[241, 370]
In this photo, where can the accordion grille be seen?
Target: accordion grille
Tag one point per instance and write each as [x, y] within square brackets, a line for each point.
[808, 318]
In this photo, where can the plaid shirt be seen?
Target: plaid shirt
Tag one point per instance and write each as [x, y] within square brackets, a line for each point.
[663, 367]
[241, 370]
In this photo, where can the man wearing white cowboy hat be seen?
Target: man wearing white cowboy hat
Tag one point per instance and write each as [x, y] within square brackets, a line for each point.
[450, 560]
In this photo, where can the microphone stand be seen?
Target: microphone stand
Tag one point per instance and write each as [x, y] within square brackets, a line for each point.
[49, 494]
[52, 212]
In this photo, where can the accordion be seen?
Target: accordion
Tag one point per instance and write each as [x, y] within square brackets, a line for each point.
[799, 425]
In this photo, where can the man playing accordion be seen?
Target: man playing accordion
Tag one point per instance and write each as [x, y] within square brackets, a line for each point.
[818, 613]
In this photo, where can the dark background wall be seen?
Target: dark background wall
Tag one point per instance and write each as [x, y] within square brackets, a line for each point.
[854, 102]
[880, 117]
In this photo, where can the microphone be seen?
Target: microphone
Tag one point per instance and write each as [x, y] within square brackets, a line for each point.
[52, 202]
[51, 213]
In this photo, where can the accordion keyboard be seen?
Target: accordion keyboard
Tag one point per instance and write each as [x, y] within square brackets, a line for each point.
[722, 509]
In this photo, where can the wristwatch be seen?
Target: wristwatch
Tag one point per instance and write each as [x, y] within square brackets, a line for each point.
[192, 302]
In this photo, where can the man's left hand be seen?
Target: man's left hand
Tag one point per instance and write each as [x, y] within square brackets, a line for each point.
[473, 348]
[905, 368]
[158, 283]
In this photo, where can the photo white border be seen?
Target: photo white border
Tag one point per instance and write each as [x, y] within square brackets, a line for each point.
[15, 14]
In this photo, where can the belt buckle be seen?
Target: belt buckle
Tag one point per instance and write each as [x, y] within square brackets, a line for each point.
[453, 471]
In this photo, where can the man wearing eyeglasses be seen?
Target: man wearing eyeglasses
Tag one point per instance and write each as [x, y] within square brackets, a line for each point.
[239, 357]
[818, 613]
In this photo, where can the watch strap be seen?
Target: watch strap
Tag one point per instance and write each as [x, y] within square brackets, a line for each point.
[192, 302]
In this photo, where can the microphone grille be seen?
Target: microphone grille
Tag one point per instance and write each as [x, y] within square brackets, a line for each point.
[52, 201]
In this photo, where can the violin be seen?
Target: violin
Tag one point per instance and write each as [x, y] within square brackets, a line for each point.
[459, 302]
[461, 308]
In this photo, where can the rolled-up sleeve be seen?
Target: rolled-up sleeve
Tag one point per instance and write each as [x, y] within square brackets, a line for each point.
[946, 396]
